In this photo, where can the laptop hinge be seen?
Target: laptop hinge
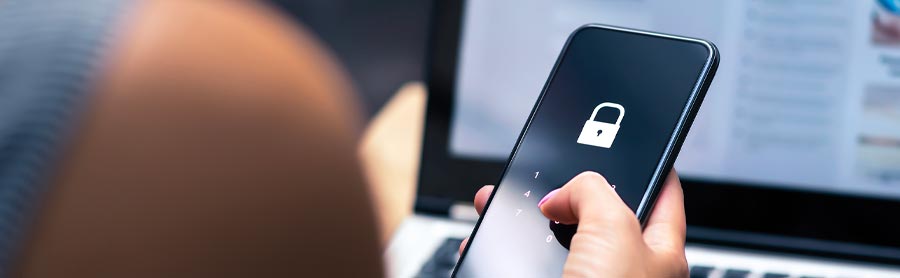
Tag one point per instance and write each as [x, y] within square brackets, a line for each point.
[463, 212]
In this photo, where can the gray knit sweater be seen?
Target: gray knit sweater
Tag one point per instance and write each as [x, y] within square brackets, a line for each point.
[48, 53]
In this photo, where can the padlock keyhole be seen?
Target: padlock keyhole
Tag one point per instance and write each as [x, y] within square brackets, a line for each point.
[599, 131]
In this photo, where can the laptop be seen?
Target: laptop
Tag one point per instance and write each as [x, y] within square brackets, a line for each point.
[792, 167]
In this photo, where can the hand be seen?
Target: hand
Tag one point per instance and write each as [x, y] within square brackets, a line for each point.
[609, 241]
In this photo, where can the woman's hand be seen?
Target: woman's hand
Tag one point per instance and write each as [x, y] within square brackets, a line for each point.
[609, 241]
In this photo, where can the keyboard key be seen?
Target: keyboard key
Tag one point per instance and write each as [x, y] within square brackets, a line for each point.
[775, 275]
[736, 273]
[700, 271]
[442, 261]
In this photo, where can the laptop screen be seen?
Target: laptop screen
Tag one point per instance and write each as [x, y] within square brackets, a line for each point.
[807, 95]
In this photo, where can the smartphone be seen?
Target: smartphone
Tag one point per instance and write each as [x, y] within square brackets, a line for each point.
[618, 102]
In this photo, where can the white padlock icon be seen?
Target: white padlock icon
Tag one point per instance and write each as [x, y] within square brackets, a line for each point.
[601, 134]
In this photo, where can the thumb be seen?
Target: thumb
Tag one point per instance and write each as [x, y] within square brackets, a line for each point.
[587, 199]
[608, 230]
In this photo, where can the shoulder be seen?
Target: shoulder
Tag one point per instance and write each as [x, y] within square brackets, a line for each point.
[228, 52]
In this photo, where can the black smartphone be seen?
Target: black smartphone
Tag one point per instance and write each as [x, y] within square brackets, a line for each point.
[618, 102]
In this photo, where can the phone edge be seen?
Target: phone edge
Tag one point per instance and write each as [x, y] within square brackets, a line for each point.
[673, 148]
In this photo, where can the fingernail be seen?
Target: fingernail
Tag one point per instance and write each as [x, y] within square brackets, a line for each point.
[547, 197]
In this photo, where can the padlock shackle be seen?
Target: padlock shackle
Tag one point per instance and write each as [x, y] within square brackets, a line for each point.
[609, 104]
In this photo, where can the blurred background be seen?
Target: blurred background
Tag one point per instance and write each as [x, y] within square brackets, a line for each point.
[380, 43]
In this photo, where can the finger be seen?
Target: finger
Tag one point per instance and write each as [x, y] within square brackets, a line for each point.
[482, 196]
[589, 201]
[463, 245]
[608, 231]
[666, 228]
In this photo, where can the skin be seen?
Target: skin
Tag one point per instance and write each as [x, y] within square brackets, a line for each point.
[219, 141]
[609, 232]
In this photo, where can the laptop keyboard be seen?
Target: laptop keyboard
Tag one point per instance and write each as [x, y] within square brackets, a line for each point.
[444, 259]
[442, 262]
[701, 271]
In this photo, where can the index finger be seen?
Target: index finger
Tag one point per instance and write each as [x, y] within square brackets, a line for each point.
[589, 201]
[481, 198]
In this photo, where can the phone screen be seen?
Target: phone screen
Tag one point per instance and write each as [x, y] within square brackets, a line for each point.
[613, 104]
